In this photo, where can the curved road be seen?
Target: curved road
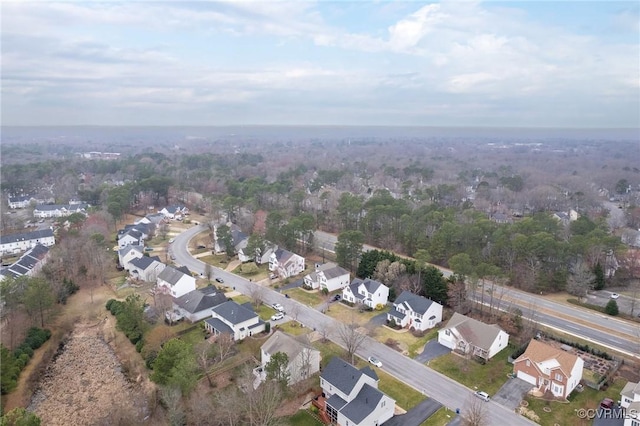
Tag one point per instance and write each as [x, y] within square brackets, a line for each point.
[437, 386]
[623, 336]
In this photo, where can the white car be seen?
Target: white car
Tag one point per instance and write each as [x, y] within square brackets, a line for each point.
[482, 395]
[277, 316]
[614, 295]
[375, 361]
[278, 307]
[171, 240]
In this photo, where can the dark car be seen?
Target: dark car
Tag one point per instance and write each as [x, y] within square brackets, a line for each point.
[607, 404]
[336, 298]
[200, 246]
[220, 280]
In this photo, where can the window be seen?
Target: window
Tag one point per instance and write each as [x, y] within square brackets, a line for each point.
[528, 363]
[558, 377]
[446, 332]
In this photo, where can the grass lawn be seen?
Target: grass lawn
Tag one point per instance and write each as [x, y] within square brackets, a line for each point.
[406, 339]
[565, 414]
[293, 328]
[327, 351]
[309, 299]
[217, 260]
[241, 299]
[194, 337]
[302, 418]
[442, 417]
[346, 314]
[405, 396]
[489, 377]
[265, 312]
[258, 272]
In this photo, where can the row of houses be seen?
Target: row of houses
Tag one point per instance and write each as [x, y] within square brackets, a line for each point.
[18, 243]
[29, 264]
[46, 211]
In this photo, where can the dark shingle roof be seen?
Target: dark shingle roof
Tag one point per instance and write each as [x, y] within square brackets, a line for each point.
[363, 404]
[414, 302]
[200, 300]
[26, 236]
[171, 275]
[144, 262]
[343, 375]
[219, 325]
[233, 312]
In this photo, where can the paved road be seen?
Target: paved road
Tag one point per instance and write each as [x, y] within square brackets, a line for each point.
[435, 385]
[628, 343]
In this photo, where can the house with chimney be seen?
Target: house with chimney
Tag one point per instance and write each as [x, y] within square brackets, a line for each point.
[328, 275]
[239, 321]
[304, 360]
[175, 282]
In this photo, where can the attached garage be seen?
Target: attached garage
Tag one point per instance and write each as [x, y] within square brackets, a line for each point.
[527, 378]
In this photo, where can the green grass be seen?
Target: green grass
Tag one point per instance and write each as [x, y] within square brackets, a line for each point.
[405, 396]
[346, 314]
[241, 299]
[194, 337]
[406, 339]
[327, 351]
[293, 328]
[488, 377]
[309, 299]
[219, 260]
[564, 413]
[258, 274]
[442, 417]
[265, 312]
[302, 418]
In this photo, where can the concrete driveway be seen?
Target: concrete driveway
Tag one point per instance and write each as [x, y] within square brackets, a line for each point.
[417, 415]
[295, 284]
[432, 349]
[378, 320]
[512, 392]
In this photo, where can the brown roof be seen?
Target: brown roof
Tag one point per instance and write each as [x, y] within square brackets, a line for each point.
[473, 331]
[539, 352]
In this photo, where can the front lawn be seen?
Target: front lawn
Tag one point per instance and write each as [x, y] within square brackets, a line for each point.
[406, 340]
[565, 413]
[265, 312]
[348, 315]
[488, 377]
[405, 396]
[293, 328]
[217, 260]
[252, 271]
[310, 299]
[442, 417]
[327, 351]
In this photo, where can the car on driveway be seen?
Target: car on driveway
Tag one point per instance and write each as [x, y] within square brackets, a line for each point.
[278, 307]
[482, 395]
[614, 295]
[607, 403]
[277, 316]
[336, 298]
[375, 361]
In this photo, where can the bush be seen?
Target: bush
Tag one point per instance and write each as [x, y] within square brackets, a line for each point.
[267, 327]
[611, 308]
[23, 349]
[139, 345]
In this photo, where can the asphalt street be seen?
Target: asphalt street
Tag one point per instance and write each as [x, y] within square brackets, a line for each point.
[433, 384]
[627, 334]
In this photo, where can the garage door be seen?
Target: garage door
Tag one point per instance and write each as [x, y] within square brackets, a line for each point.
[527, 377]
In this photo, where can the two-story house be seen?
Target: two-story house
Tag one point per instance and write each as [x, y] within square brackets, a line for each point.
[54, 210]
[285, 263]
[415, 312]
[197, 304]
[129, 252]
[369, 292]
[630, 401]
[304, 360]
[174, 212]
[29, 264]
[549, 368]
[131, 237]
[175, 282]
[20, 202]
[237, 320]
[329, 276]
[146, 268]
[472, 337]
[17, 243]
[352, 396]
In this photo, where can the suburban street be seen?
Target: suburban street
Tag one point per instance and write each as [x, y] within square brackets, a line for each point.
[596, 327]
[433, 384]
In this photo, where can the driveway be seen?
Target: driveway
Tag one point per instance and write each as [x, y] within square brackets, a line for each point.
[615, 417]
[295, 284]
[512, 392]
[380, 319]
[417, 415]
[432, 349]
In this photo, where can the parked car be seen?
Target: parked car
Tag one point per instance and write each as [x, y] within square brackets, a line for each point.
[482, 395]
[277, 316]
[336, 298]
[606, 403]
[200, 246]
[148, 249]
[278, 307]
[171, 240]
[614, 295]
[375, 361]
[273, 276]
[220, 280]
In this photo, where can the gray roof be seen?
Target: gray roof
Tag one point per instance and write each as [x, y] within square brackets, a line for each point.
[27, 261]
[333, 271]
[200, 300]
[144, 262]
[233, 312]
[124, 250]
[369, 284]
[336, 402]
[363, 404]
[171, 275]
[282, 342]
[70, 207]
[219, 326]
[473, 331]
[413, 302]
[630, 389]
[394, 313]
[283, 255]
[343, 375]
[19, 199]
[26, 236]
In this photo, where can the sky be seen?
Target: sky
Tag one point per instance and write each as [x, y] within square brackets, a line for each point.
[573, 64]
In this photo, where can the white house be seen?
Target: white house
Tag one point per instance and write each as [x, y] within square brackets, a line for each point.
[18, 243]
[54, 210]
[132, 237]
[369, 292]
[630, 401]
[129, 252]
[239, 321]
[329, 276]
[304, 360]
[21, 202]
[29, 264]
[197, 304]
[472, 337]
[413, 311]
[285, 263]
[146, 268]
[155, 219]
[549, 368]
[175, 282]
[352, 395]
[174, 211]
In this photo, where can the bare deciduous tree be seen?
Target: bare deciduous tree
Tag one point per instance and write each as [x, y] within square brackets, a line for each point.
[224, 345]
[351, 338]
[229, 407]
[581, 280]
[171, 396]
[257, 295]
[262, 403]
[475, 412]
[205, 356]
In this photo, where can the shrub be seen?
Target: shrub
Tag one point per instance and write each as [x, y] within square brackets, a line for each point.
[267, 327]
[23, 349]
[611, 308]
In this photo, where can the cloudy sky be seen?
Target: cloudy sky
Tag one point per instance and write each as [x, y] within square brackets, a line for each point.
[452, 63]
